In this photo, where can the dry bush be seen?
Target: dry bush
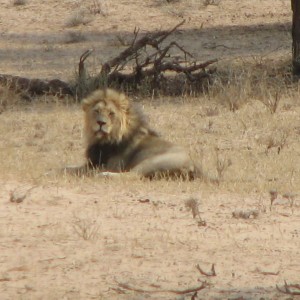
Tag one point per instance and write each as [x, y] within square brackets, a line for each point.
[80, 17]
[73, 37]
[19, 2]
[271, 103]
[222, 165]
[277, 140]
[192, 205]
[211, 2]
[85, 228]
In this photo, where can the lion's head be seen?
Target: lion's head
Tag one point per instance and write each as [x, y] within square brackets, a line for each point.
[109, 116]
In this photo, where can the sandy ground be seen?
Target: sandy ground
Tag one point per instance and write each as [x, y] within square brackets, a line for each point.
[84, 238]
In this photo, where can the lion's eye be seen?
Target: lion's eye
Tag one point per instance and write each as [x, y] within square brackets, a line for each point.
[111, 114]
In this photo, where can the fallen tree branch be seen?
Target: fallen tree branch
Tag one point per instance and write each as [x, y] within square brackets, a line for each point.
[211, 273]
[138, 63]
[173, 291]
[153, 39]
[36, 86]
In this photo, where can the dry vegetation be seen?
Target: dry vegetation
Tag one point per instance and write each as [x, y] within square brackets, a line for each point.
[125, 238]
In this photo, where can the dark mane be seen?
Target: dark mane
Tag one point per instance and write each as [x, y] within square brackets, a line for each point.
[98, 154]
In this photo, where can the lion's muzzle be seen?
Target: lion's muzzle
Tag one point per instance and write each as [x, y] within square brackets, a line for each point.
[101, 127]
[101, 123]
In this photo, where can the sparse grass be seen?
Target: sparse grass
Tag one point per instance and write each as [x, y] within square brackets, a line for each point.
[85, 228]
[98, 7]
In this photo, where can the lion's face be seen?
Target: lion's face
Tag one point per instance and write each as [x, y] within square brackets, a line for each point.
[106, 116]
[104, 120]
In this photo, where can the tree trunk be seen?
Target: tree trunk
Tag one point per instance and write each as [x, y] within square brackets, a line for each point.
[296, 36]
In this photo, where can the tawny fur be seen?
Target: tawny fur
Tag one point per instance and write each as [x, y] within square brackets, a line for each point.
[119, 140]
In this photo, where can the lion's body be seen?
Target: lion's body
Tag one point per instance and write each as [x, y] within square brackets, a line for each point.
[119, 140]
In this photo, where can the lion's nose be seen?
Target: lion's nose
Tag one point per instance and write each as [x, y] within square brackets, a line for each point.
[101, 123]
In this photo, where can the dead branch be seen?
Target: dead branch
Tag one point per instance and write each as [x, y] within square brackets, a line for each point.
[211, 273]
[290, 289]
[153, 39]
[258, 270]
[147, 57]
[83, 57]
[173, 291]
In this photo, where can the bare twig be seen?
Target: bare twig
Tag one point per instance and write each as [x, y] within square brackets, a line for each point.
[135, 47]
[173, 291]
[211, 273]
[273, 197]
[258, 270]
[170, 32]
[194, 296]
[135, 32]
[290, 289]
[83, 57]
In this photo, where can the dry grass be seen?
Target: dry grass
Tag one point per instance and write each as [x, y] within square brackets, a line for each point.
[98, 7]
[85, 227]
[234, 145]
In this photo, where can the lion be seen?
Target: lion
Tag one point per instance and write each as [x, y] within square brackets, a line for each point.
[119, 140]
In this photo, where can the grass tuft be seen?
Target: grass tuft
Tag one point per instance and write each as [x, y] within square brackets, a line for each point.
[80, 17]
[19, 2]
[73, 37]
